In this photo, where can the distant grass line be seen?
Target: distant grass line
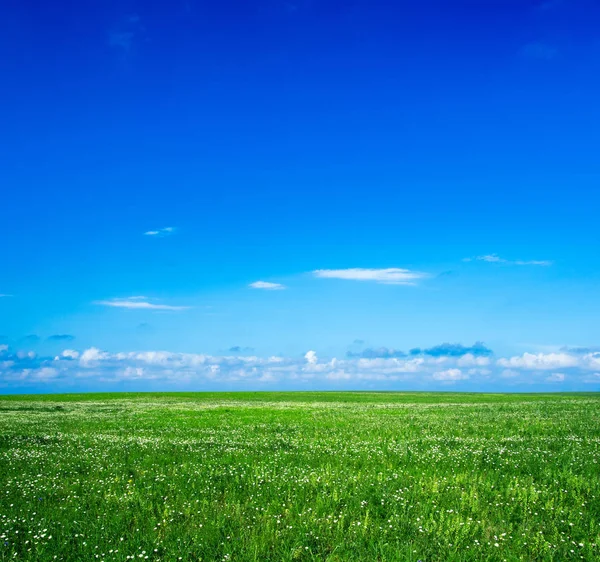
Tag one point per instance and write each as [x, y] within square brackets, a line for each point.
[300, 396]
[333, 476]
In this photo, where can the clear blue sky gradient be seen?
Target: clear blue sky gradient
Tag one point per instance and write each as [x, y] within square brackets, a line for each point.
[280, 137]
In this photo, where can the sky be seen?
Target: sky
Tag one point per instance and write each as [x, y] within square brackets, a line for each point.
[299, 194]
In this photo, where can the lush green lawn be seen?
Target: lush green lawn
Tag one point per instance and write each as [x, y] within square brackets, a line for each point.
[300, 476]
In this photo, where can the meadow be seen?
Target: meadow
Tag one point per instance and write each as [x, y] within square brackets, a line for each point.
[300, 476]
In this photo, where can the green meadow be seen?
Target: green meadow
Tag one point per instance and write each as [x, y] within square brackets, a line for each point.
[300, 476]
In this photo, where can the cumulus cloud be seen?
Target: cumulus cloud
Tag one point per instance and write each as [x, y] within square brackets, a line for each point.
[311, 357]
[266, 286]
[138, 303]
[495, 258]
[161, 232]
[389, 276]
[92, 356]
[540, 361]
[450, 375]
[472, 360]
[133, 373]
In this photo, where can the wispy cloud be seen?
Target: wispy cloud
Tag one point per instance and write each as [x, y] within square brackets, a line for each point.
[543, 263]
[240, 349]
[61, 337]
[490, 258]
[388, 276]
[495, 258]
[124, 33]
[548, 5]
[373, 353]
[138, 303]
[30, 339]
[265, 285]
[577, 350]
[161, 232]
[121, 39]
[540, 51]
[4, 295]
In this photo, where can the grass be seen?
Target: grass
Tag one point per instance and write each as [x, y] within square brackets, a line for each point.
[300, 476]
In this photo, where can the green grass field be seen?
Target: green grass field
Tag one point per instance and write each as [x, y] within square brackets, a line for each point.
[300, 476]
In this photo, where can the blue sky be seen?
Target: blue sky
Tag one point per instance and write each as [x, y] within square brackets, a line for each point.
[196, 195]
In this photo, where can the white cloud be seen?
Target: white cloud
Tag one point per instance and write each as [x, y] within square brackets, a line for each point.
[592, 360]
[470, 360]
[138, 303]
[495, 258]
[540, 361]
[3, 347]
[593, 378]
[133, 373]
[482, 372]
[192, 370]
[311, 357]
[161, 232]
[491, 258]
[543, 263]
[45, 373]
[92, 355]
[450, 375]
[389, 276]
[267, 377]
[267, 286]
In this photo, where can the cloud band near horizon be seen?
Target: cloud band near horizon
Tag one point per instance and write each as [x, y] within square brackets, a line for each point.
[20, 370]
